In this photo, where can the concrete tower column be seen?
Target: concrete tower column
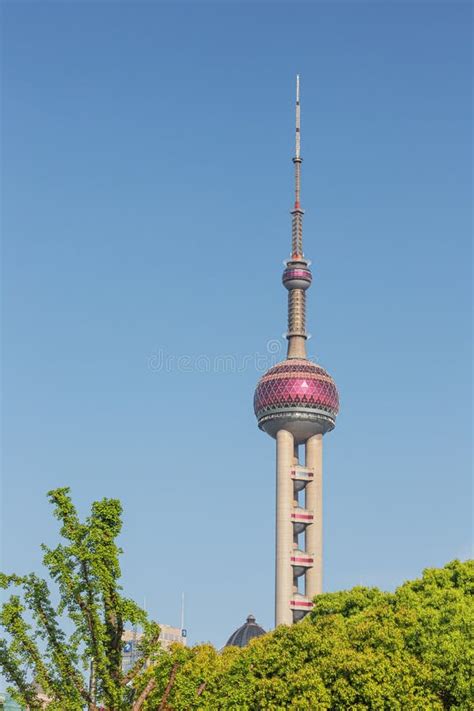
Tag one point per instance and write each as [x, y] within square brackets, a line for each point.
[296, 323]
[284, 528]
[314, 502]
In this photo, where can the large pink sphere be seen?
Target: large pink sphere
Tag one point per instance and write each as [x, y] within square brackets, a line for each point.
[298, 396]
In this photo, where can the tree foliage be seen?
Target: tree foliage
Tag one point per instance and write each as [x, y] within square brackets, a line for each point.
[82, 669]
[359, 649]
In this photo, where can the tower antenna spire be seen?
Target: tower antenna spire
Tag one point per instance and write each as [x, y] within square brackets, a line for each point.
[297, 275]
[297, 226]
[298, 118]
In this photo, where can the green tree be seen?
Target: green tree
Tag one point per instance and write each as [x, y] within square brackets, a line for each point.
[436, 614]
[82, 669]
[359, 649]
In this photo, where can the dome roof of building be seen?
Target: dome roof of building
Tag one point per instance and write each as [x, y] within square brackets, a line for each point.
[242, 636]
[296, 390]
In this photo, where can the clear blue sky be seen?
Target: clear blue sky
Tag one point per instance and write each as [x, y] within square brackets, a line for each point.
[147, 184]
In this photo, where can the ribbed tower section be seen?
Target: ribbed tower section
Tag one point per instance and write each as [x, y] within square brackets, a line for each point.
[296, 402]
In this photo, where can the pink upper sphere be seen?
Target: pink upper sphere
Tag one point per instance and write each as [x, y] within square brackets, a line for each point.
[296, 384]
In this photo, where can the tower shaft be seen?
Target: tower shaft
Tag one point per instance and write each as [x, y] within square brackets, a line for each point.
[297, 323]
[298, 513]
[284, 528]
[297, 276]
[314, 503]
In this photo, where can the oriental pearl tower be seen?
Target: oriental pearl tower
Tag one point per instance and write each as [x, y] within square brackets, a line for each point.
[296, 402]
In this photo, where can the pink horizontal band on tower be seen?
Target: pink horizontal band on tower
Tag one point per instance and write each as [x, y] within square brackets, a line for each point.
[297, 274]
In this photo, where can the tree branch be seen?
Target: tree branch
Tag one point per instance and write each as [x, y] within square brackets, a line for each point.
[144, 695]
[12, 671]
[201, 688]
[11, 618]
[38, 596]
[143, 656]
[169, 686]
